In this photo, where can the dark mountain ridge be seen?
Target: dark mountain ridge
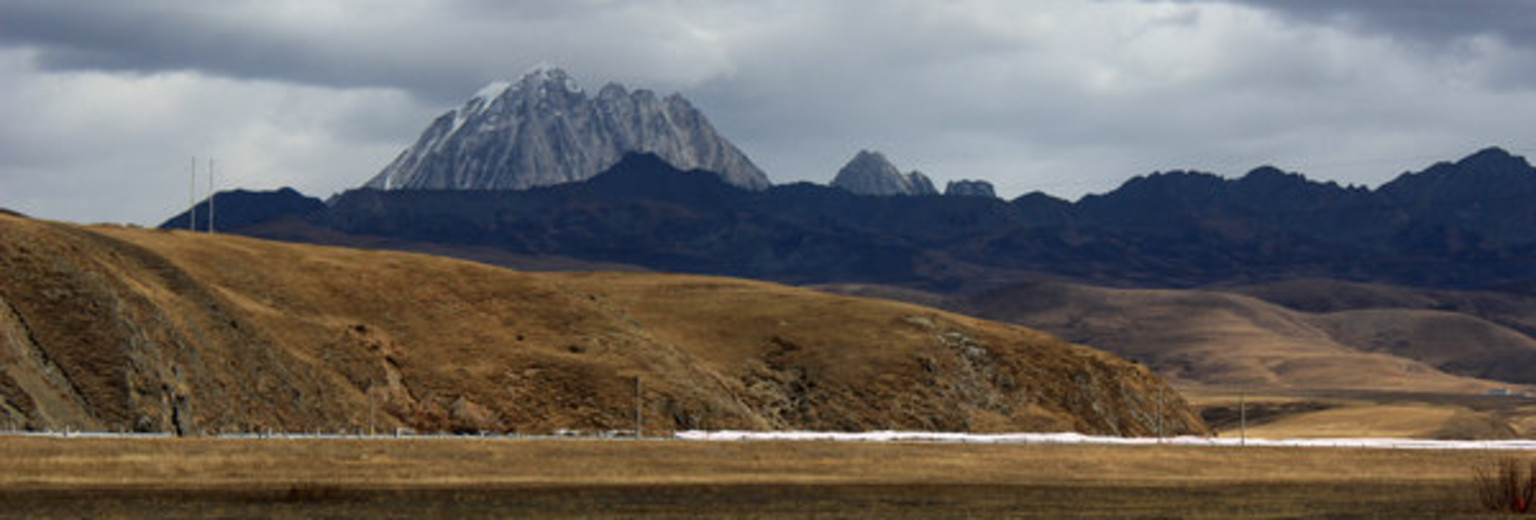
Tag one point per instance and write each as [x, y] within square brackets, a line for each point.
[1454, 225]
[237, 209]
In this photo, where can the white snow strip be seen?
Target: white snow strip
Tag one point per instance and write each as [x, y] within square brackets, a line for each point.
[476, 104]
[883, 436]
[492, 91]
[1077, 438]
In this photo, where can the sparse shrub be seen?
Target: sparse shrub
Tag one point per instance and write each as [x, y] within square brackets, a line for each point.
[1505, 484]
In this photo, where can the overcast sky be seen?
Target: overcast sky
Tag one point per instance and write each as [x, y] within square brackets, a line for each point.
[103, 103]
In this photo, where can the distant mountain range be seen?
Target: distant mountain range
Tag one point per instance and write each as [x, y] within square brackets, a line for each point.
[1463, 224]
[540, 169]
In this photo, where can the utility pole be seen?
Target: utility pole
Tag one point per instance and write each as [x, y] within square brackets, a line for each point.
[639, 403]
[211, 193]
[192, 198]
[371, 407]
[1242, 419]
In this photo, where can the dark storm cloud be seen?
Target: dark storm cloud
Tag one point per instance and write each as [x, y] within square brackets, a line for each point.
[1453, 31]
[218, 38]
[123, 36]
[437, 50]
[1432, 20]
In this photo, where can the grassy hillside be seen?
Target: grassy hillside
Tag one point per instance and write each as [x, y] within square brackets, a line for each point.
[1512, 306]
[118, 328]
[1453, 342]
[1337, 359]
[1217, 338]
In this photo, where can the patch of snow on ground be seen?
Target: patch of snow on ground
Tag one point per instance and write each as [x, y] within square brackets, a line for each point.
[1077, 438]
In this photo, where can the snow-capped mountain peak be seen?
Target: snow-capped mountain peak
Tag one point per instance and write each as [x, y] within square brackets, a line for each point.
[543, 129]
[545, 78]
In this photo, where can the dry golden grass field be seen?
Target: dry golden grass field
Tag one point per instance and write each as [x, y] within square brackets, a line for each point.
[471, 478]
[1358, 413]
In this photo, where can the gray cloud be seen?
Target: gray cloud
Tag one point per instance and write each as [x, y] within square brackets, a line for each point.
[107, 99]
[1453, 33]
[1435, 20]
[434, 49]
[239, 39]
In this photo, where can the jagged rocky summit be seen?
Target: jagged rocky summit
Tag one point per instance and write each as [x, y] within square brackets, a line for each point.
[970, 188]
[870, 173]
[545, 130]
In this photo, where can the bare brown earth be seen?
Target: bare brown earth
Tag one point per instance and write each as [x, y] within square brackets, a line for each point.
[447, 478]
[109, 328]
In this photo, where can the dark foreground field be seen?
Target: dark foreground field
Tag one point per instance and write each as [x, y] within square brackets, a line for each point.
[427, 478]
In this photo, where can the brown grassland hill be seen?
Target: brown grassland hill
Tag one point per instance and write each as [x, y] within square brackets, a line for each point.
[1216, 338]
[1315, 358]
[108, 328]
[1513, 306]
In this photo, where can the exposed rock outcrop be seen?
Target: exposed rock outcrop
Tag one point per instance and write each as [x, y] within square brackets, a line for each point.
[970, 188]
[870, 173]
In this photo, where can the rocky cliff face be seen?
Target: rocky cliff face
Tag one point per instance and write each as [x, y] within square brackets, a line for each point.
[545, 130]
[870, 173]
[970, 188]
